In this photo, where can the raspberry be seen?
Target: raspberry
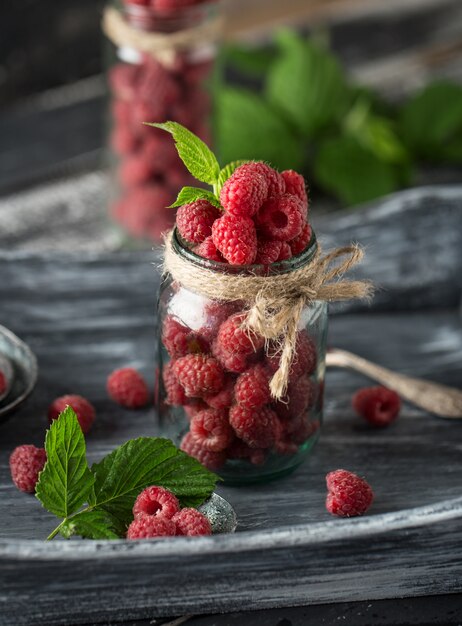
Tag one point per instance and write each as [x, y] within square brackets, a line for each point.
[191, 522]
[245, 191]
[299, 398]
[286, 252]
[240, 450]
[127, 387]
[123, 80]
[160, 154]
[268, 252]
[281, 218]
[295, 185]
[378, 405]
[208, 250]
[209, 459]
[135, 170]
[252, 387]
[236, 239]
[199, 375]
[300, 429]
[148, 111]
[211, 429]
[3, 383]
[347, 494]
[257, 427]
[305, 357]
[150, 527]
[144, 206]
[26, 462]
[194, 407]
[84, 410]
[174, 391]
[124, 141]
[234, 362]
[224, 398]
[233, 337]
[179, 340]
[275, 181]
[299, 244]
[121, 112]
[156, 84]
[171, 6]
[216, 313]
[194, 221]
[157, 502]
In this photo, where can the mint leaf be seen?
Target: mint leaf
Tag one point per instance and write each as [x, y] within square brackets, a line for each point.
[190, 194]
[307, 84]
[431, 122]
[250, 60]
[142, 462]
[351, 172]
[90, 524]
[248, 128]
[66, 481]
[228, 171]
[194, 153]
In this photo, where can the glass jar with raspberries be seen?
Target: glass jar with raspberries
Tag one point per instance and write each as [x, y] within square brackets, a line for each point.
[233, 391]
[162, 66]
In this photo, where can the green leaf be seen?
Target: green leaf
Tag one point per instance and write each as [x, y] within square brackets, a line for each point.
[190, 194]
[90, 524]
[228, 171]
[66, 480]
[249, 129]
[194, 153]
[142, 462]
[431, 122]
[253, 61]
[351, 172]
[307, 84]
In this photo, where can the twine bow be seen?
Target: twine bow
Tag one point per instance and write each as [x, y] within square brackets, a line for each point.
[275, 303]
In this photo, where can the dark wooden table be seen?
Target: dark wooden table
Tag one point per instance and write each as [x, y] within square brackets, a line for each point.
[86, 314]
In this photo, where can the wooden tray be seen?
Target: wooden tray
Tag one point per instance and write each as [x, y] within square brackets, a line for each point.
[85, 317]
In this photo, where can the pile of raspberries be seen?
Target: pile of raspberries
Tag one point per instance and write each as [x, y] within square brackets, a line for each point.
[220, 375]
[150, 171]
[157, 513]
[264, 218]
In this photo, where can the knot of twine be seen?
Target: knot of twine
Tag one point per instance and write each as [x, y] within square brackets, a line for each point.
[161, 46]
[275, 303]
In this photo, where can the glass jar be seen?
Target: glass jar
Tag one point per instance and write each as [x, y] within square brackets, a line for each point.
[231, 424]
[162, 65]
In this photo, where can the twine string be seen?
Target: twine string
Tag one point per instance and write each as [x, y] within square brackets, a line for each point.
[161, 46]
[275, 303]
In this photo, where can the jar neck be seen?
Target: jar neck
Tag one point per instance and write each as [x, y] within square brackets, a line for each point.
[274, 269]
[148, 19]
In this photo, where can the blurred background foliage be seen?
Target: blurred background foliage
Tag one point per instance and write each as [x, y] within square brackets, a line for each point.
[300, 110]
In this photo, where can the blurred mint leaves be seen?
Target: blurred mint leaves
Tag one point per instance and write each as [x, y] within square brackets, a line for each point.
[309, 116]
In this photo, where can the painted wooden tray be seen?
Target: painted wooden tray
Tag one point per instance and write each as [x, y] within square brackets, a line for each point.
[84, 317]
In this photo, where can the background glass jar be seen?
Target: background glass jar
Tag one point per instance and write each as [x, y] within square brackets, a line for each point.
[213, 393]
[171, 81]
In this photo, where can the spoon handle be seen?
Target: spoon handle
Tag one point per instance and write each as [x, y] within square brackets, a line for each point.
[438, 399]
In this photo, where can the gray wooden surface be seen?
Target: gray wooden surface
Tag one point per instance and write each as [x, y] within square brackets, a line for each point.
[86, 314]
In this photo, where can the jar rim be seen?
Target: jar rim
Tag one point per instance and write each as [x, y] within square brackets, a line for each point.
[258, 269]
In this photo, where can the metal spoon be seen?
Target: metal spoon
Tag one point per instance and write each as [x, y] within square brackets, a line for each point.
[438, 399]
[7, 370]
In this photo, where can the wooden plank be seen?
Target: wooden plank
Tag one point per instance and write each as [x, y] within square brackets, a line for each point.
[84, 316]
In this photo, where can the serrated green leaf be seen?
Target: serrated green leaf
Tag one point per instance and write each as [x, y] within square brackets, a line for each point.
[228, 171]
[249, 60]
[142, 462]
[431, 122]
[66, 480]
[194, 153]
[190, 194]
[249, 129]
[351, 172]
[91, 525]
[307, 84]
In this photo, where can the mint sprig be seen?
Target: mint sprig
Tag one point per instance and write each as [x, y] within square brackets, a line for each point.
[111, 486]
[194, 153]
